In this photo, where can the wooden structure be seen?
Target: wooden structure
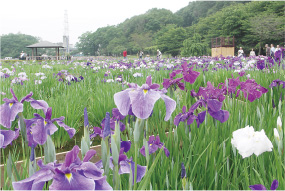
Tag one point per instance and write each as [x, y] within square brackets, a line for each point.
[223, 46]
[44, 44]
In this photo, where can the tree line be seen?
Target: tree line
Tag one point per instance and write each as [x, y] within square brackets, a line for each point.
[189, 31]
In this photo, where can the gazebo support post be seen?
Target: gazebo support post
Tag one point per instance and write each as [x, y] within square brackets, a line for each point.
[36, 53]
[58, 53]
[32, 53]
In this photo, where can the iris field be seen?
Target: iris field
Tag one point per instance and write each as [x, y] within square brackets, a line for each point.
[224, 117]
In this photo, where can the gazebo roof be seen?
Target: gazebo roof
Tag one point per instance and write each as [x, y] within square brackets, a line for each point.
[45, 44]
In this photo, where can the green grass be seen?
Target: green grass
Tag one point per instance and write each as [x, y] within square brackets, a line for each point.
[206, 151]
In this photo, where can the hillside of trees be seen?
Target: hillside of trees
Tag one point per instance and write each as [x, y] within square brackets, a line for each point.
[188, 32]
[13, 44]
[253, 24]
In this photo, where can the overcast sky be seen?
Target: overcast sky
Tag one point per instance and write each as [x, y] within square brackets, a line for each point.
[45, 19]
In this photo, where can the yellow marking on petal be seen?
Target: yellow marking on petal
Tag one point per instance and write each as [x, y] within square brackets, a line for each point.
[150, 144]
[68, 176]
[145, 91]
[45, 122]
[11, 104]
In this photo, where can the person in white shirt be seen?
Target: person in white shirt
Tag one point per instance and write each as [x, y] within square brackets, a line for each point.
[240, 52]
[272, 50]
[252, 53]
[159, 55]
[277, 48]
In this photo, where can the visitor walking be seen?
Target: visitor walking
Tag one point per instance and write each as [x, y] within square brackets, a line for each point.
[252, 53]
[272, 50]
[125, 54]
[158, 55]
[267, 50]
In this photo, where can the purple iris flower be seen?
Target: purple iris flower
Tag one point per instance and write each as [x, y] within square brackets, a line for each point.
[142, 100]
[125, 164]
[260, 64]
[11, 108]
[251, 90]
[274, 186]
[73, 174]
[189, 75]
[7, 136]
[42, 127]
[153, 145]
[277, 82]
[169, 82]
[210, 92]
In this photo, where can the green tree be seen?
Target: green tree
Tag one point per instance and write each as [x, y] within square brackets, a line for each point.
[193, 46]
[172, 41]
[13, 44]
[272, 28]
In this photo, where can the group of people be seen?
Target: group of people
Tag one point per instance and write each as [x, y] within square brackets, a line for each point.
[140, 53]
[270, 51]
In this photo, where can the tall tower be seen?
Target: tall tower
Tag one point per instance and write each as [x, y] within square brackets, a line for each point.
[66, 33]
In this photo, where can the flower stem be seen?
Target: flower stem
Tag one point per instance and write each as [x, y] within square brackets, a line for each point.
[136, 166]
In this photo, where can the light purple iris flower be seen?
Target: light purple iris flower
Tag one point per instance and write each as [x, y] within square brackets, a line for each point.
[142, 100]
[10, 109]
[7, 136]
[42, 127]
[274, 186]
[73, 174]
[153, 145]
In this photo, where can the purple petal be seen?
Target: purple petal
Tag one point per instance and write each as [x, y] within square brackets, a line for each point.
[170, 105]
[7, 136]
[143, 103]
[35, 182]
[274, 185]
[86, 122]
[221, 115]
[50, 128]
[257, 187]
[152, 148]
[214, 105]
[90, 170]
[201, 118]
[166, 151]
[107, 130]
[148, 80]
[177, 119]
[122, 101]
[126, 145]
[191, 119]
[71, 156]
[13, 94]
[7, 114]
[77, 182]
[39, 132]
[102, 184]
[48, 113]
[70, 131]
[27, 97]
[142, 151]
[89, 155]
[39, 104]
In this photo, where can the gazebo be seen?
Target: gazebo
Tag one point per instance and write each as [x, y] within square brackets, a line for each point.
[224, 46]
[44, 44]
